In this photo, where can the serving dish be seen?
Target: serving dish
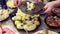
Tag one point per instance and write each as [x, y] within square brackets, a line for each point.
[26, 20]
[32, 8]
[52, 21]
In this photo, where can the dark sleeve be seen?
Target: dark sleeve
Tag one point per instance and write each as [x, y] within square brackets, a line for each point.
[2, 3]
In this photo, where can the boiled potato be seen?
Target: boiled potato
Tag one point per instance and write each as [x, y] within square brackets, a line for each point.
[4, 14]
[36, 22]
[20, 26]
[17, 22]
[30, 27]
[15, 18]
[28, 22]
[10, 3]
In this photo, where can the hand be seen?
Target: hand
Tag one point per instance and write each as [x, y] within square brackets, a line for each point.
[49, 6]
[17, 3]
[35, 0]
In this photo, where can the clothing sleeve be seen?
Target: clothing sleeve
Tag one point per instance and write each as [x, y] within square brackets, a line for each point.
[2, 3]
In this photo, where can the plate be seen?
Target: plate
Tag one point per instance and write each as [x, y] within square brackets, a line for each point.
[38, 6]
[14, 14]
[49, 31]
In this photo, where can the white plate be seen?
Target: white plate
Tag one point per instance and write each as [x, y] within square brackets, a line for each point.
[49, 31]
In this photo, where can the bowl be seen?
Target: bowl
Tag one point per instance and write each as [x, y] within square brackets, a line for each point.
[56, 11]
[37, 9]
[52, 21]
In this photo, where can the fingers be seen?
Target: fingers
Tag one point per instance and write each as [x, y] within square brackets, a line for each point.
[46, 6]
[48, 10]
[15, 3]
[19, 2]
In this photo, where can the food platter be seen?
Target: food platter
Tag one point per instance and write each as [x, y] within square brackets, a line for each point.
[15, 14]
[42, 25]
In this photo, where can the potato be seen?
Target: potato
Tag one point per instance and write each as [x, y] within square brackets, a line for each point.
[29, 27]
[10, 3]
[17, 22]
[20, 26]
[15, 18]
[36, 22]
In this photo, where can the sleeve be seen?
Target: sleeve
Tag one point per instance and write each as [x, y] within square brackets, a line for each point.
[3, 3]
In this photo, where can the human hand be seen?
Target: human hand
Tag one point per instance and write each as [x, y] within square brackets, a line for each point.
[17, 3]
[49, 6]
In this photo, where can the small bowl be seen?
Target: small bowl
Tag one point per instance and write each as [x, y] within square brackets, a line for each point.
[51, 26]
[6, 17]
[56, 11]
[10, 14]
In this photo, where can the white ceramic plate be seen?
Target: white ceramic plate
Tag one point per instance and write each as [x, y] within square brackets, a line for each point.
[49, 31]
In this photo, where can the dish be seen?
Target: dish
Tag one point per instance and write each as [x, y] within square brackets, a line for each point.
[52, 21]
[4, 14]
[26, 21]
[57, 11]
[31, 8]
[10, 4]
[45, 32]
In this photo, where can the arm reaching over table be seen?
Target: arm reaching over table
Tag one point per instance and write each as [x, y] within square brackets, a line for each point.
[50, 5]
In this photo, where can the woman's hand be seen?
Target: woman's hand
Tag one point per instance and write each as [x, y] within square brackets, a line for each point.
[17, 3]
[50, 5]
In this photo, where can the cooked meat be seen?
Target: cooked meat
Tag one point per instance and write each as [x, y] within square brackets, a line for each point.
[53, 21]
